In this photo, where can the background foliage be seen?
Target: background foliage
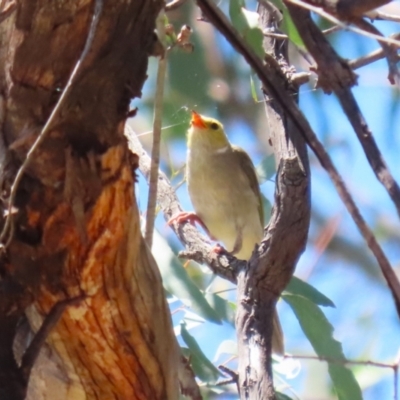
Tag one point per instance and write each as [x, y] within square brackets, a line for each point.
[214, 80]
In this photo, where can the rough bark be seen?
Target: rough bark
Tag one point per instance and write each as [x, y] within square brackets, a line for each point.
[76, 228]
[270, 269]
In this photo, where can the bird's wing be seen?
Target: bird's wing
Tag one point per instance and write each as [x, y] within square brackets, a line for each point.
[248, 168]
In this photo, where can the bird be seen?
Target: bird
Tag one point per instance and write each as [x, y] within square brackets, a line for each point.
[225, 193]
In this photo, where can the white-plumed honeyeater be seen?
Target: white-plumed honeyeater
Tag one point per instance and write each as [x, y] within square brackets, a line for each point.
[224, 190]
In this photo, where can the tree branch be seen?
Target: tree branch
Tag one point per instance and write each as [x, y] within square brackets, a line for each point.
[389, 51]
[197, 246]
[157, 124]
[371, 57]
[347, 17]
[271, 77]
[272, 266]
[335, 75]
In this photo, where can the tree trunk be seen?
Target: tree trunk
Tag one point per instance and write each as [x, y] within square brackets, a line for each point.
[74, 228]
[267, 274]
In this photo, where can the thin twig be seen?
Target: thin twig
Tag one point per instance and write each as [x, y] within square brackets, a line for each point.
[234, 377]
[389, 51]
[339, 79]
[382, 16]
[371, 57]
[277, 35]
[50, 321]
[336, 21]
[157, 125]
[367, 59]
[174, 4]
[332, 29]
[218, 19]
[344, 361]
[46, 129]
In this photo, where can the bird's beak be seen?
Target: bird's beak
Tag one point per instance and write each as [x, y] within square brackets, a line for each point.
[197, 121]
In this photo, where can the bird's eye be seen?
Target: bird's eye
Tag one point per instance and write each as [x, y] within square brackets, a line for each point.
[214, 126]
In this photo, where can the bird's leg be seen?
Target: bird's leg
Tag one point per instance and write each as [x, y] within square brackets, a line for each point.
[192, 218]
[238, 243]
[218, 249]
[236, 247]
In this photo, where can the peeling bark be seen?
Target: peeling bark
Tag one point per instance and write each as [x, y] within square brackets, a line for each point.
[76, 224]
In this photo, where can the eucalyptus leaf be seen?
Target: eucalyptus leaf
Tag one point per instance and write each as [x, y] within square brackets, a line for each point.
[266, 169]
[177, 282]
[246, 23]
[224, 308]
[253, 88]
[282, 396]
[236, 15]
[202, 366]
[267, 208]
[226, 347]
[298, 287]
[252, 18]
[288, 26]
[254, 38]
[320, 334]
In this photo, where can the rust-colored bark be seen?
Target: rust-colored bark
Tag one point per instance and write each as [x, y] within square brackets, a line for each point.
[77, 230]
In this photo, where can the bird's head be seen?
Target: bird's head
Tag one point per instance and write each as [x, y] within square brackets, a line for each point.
[206, 133]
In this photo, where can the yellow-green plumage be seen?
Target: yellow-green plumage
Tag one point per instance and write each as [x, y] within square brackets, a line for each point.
[224, 190]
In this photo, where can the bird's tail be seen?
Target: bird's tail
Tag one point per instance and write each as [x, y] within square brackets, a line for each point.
[277, 336]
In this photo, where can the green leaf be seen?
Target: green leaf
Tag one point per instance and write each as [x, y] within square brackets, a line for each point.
[226, 347]
[246, 23]
[320, 334]
[282, 396]
[267, 208]
[201, 365]
[237, 17]
[298, 287]
[177, 282]
[290, 29]
[224, 308]
[252, 18]
[266, 169]
[288, 26]
[254, 38]
[253, 89]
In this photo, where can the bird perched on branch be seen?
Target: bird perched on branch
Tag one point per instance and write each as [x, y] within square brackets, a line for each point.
[225, 194]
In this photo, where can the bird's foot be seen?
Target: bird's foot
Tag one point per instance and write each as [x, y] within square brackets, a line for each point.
[182, 217]
[190, 217]
[218, 249]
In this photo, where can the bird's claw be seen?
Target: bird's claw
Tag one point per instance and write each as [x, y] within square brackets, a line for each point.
[182, 217]
[190, 217]
[218, 249]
